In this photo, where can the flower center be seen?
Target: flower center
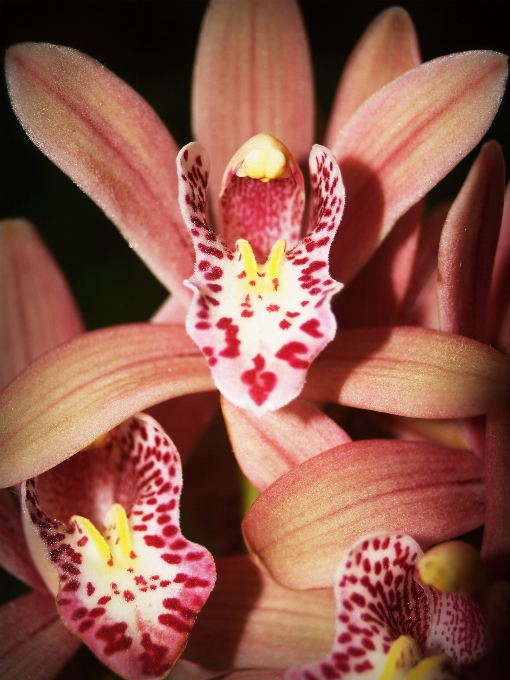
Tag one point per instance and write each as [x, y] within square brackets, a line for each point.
[261, 278]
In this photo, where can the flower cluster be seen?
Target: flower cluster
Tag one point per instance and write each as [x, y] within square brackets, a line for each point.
[290, 289]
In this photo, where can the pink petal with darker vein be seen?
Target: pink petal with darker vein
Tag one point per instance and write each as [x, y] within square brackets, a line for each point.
[133, 595]
[387, 49]
[468, 245]
[404, 139]
[37, 310]
[317, 509]
[111, 143]
[34, 643]
[250, 79]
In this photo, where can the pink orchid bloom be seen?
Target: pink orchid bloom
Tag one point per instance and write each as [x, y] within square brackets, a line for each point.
[124, 160]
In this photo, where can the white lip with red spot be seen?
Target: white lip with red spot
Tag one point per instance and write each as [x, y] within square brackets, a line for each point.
[131, 588]
[260, 325]
[388, 626]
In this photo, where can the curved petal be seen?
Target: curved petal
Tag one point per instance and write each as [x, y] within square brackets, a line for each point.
[317, 509]
[387, 49]
[404, 139]
[409, 371]
[250, 621]
[34, 643]
[468, 245]
[500, 288]
[268, 446]
[111, 143]
[260, 326]
[130, 584]
[80, 390]
[374, 296]
[14, 555]
[37, 310]
[252, 74]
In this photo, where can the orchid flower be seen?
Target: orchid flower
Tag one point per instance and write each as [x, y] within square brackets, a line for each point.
[110, 550]
[137, 187]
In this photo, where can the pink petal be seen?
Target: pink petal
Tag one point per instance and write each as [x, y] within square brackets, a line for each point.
[468, 245]
[37, 311]
[499, 313]
[14, 556]
[134, 609]
[268, 446]
[424, 267]
[111, 143]
[496, 538]
[317, 509]
[255, 675]
[378, 600]
[248, 79]
[34, 643]
[260, 330]
[84, 388]
[410, 371]
[404, 139]
[387, 49]
[171, 311]
[250, 621]
[375, 295]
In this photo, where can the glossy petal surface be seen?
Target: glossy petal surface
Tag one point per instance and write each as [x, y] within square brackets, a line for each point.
[134, 595]
[319, 508]
[378, 600]
[261, 326]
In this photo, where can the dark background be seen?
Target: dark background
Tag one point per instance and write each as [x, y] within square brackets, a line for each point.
[150, 44]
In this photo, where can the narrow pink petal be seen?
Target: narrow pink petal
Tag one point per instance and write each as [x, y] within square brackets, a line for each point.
[84, 388]
[424, 267]
[375, 295]
[387, 49]
[404, 139]
[250, 621]
[496, 538]
[268, 446]
[500, 296]
[260, 326]
[34, 643]
[378, 600]
[37, 311]
[468, 245]
[410, 371]
[317, 509]
[111, 143]
[252, 74]
[135, 605]
[14, 555]
[424, 306]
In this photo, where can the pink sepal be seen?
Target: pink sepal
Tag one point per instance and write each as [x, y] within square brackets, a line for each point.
[499, 313]
[468, 245]
[317, 509]
[247, 80]
[111, 143]
[37, 310]
[387, 49]
[393, 151]
[34, 643]
[267, 446]
[75, 393]
[135, 611]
